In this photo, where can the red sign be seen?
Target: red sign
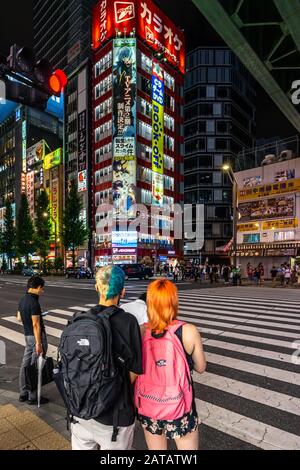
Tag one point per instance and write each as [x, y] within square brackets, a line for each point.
[151, 24]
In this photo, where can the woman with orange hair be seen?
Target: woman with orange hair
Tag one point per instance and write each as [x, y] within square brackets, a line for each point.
[164, 394]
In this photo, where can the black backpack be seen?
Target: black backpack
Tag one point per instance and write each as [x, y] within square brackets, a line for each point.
[88, 377]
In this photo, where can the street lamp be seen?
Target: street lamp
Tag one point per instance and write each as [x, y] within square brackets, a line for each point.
[46, 215]
[227, 168]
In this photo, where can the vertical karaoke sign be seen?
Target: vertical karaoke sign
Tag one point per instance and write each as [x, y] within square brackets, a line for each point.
[157, 96]
[124, 127]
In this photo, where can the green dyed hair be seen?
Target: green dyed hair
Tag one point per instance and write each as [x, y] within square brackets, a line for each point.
[110, 281]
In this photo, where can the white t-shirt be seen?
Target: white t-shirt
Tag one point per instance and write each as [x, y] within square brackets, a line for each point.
[137, 308]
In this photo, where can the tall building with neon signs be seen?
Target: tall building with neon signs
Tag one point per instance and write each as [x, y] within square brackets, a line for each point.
[137, 143]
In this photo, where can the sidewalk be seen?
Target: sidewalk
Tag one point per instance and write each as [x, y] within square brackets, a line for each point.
[23, 427]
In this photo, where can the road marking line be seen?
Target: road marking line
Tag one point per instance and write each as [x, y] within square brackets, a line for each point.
[62, 312]
[254, 368]
[18, 338]
[275, 356]
[266, 397]
[246, 429]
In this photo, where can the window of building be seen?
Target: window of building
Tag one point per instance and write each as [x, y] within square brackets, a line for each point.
[145, 130]
[145, 152]
[168, 201]
[146, 108]
[103, 131]
[218, 161]
[146, 86]
[217, 109]
[195, 145]
[103, 153]
[146, 63]
[168, 163]
[284, 236]
[216, 230]
[169, 183]
[191, 95]
[210, 127]
[191, 197]
[217, 177]
[251, 238]
[169, 102]
[169, 122]
[191, 180]
[145, 175]
[103, 109]
[205, 195]
[205, 161]
[169, 81]
[169, 143]
[146, 197]
[103, 64]
[210, 91]
[210, 212]
[103, 87]
[221, 212]
[218, 196]
[205, 178]
[104, 175]
[211, 144]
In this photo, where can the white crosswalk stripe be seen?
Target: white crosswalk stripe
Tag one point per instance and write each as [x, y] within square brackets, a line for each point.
[251, 389]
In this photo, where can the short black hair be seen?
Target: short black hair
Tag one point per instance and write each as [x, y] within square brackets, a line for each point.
[35, 282]
[143, 297]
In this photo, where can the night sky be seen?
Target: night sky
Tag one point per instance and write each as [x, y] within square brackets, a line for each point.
[17, 28]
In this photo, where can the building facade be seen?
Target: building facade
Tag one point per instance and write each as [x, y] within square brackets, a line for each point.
[219, 122]
[137, 143]
[31, 159]
[268, 231]
[63, 35]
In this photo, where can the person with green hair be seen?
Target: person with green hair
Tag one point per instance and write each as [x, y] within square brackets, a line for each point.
[95, 434]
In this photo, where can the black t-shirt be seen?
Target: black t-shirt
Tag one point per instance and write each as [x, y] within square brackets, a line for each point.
[28, 307]
[126, 342]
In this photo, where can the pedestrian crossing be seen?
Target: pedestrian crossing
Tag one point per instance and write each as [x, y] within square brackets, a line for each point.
[251, 389]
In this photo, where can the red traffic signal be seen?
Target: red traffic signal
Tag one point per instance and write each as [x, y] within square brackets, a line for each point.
[57, 82]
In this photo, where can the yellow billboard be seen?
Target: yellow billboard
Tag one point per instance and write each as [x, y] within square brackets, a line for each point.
[278, 224]
[248, 227]
[270, 189]
[52, 159]
[157, 96]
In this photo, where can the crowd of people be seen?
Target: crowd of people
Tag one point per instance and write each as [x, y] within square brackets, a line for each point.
[282, 275]
[118, 365]
[208, 272]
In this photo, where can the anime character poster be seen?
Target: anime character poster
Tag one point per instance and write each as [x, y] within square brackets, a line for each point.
[124, 187]
[124, 87]
[124, 127]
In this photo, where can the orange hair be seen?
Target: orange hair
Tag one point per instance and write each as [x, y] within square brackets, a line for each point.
[162, 304]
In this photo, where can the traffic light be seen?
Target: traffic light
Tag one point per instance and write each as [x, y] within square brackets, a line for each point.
[29, 81]
[57, 82]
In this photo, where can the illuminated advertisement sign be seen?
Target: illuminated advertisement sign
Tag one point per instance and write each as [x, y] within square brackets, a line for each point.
[82, 181]
[30, 192]
[151, 24]
[35, 154]
[282, 223]
[124, 127]
[157, 95]
[52, 159]
[283, 206]
[270, 189]
[124, 239]
[24, 144]
[82, 141]
[54, 205]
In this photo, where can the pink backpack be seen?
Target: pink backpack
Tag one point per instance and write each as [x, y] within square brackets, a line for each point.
[164, 391]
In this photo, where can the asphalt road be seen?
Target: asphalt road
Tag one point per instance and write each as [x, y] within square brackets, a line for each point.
[249, 397]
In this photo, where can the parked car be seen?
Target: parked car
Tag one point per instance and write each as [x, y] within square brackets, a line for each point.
[78, 273]
[31, 272]
[136, 271]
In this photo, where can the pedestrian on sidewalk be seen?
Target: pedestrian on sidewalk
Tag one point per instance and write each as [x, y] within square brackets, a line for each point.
[30, 314]
[226, 272]
[274, 272]
[287, 275]
[164, 394]
[113, 428]
[138, 308]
